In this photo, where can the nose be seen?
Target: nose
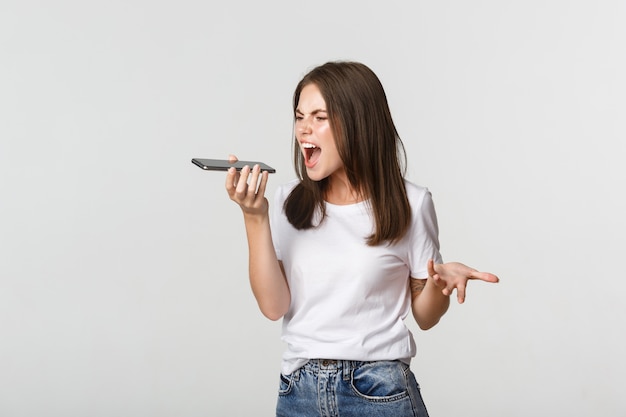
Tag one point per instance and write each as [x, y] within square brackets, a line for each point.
[304, 126]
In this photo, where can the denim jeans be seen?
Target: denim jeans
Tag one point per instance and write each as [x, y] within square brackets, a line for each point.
[326, 388]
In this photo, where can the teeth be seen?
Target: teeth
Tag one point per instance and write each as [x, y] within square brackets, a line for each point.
[309, 146]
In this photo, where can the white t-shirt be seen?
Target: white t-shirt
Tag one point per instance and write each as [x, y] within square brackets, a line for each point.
[349, 300]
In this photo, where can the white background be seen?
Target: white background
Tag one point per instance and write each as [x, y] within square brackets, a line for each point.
[123, 267]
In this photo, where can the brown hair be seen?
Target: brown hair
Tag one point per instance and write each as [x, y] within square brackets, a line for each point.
[368, 144]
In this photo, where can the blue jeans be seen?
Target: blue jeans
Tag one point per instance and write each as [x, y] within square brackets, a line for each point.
[326, 388]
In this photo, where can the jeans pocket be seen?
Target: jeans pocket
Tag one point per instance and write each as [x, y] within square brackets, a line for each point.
[382, 381]
[286, 383]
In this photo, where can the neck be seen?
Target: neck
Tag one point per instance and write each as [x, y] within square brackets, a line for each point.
[341, 192]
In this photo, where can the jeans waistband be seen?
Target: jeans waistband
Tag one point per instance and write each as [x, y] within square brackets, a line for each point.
[344, 367]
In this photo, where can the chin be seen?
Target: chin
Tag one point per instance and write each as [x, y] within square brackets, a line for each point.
[315, 176]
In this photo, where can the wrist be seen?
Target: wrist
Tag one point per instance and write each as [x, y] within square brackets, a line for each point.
[255, 218]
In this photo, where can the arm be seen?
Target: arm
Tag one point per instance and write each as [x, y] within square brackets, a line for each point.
[428, 303]
[430, 298]
[267, 277]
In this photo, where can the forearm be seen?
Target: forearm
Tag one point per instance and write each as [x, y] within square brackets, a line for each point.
[267, 279]
[428, 304]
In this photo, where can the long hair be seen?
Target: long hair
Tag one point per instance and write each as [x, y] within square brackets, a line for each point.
[368, 144]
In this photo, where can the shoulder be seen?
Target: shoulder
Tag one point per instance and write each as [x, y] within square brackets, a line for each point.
[416, 193]
[421, 201]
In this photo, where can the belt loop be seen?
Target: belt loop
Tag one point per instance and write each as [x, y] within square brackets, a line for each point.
[347, 370]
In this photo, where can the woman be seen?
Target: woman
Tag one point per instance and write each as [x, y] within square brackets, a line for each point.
[352, 249]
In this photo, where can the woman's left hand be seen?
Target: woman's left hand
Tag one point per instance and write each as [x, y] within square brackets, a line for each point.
[455, 275]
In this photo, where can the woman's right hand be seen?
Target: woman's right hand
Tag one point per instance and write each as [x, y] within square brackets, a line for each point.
[247, 188]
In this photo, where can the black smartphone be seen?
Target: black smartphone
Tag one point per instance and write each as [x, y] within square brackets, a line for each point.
[224, 165]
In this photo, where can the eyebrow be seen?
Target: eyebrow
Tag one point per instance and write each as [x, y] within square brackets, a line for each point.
[314, 112]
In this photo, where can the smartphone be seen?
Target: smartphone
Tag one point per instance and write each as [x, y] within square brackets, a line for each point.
[224, 165]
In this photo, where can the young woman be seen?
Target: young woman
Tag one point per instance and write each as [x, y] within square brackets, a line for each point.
[352, 248]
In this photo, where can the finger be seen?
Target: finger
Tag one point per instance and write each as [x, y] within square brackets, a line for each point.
[432, 272]
[242, 183]
[231, 180]
[460, 293]
[254, 180]
[232, 158]
[483, 276]
[449, 288]
[264, 176]
[431, 268]
[439, 283]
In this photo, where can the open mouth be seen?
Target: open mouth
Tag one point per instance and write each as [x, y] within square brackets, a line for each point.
[311, 153]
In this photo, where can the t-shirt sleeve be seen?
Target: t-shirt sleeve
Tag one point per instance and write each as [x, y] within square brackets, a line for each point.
[424, 236]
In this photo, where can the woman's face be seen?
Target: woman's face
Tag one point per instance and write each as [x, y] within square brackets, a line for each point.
[315, 136]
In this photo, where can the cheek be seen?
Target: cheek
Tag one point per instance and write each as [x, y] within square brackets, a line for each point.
[326, 133]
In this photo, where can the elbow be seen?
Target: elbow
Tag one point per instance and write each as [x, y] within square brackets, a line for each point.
[273, 305]
[427, 321]
[274, 312]
[273, 315]
[427, 325]
[428, 316]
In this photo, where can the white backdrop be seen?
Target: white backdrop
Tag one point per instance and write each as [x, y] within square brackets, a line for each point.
[123, 267]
